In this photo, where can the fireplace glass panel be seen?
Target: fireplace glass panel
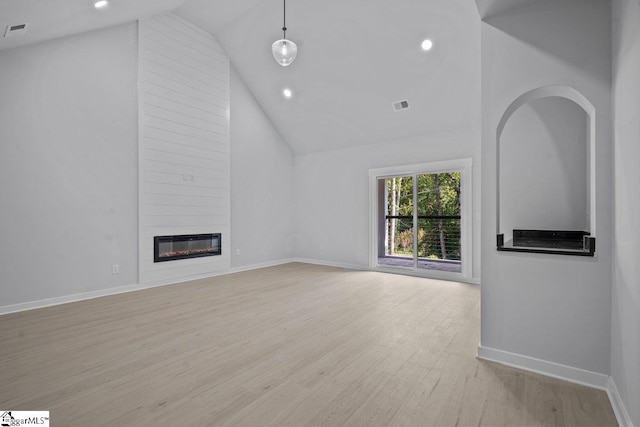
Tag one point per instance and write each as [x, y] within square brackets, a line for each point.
[168, 248]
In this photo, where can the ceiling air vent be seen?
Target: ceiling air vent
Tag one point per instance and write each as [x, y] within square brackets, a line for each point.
[400, 105]
[15, 30]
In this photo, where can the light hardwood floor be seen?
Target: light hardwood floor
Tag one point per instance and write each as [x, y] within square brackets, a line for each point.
[292, 345]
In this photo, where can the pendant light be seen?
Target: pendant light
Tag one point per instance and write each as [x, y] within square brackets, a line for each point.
[284, 51]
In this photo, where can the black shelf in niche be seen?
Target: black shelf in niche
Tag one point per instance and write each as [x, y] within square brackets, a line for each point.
[554, 242]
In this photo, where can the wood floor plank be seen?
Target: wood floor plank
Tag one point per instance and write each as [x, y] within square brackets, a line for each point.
[292, 345]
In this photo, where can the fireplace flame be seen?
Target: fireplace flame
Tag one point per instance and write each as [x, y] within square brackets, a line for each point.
[186, 252]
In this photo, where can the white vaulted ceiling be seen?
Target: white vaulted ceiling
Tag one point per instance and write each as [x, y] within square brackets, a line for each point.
[48, 19]
[355, 59]
[491, 8]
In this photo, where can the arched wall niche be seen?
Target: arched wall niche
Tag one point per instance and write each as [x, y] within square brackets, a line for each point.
[545, 148]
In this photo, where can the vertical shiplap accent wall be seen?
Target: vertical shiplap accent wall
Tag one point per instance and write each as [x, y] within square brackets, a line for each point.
[183, 97]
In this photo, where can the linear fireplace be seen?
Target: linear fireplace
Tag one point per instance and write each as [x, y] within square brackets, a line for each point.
[168, 248]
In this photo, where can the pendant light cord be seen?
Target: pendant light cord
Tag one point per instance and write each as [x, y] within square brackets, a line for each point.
[284, 19]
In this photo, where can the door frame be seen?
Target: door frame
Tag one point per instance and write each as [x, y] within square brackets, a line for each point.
[464, 166]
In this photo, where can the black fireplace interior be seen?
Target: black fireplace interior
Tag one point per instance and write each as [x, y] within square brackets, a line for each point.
[169, 248]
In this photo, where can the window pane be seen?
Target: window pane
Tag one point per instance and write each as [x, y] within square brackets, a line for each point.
[439, 221]
[398, 222]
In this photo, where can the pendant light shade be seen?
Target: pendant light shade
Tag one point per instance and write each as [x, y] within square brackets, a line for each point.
[284, 51]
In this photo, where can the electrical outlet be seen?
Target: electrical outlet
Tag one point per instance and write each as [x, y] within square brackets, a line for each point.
[115, 269]
[237, 252]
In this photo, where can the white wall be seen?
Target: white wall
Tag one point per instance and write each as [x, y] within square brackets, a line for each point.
[68, 166]
[262, 220]
[550, 135]
[184, 145]
[69, 158]
[625, 327]
[332, 193]
[552, 308]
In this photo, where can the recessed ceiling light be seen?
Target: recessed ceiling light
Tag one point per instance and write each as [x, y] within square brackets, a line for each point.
[101, 4]
[287, 93]
[426, 45]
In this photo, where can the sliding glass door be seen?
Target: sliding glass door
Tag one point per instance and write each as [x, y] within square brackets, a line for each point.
[419, 222]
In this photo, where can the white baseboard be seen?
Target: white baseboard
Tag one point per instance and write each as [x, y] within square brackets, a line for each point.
[32, 305]
[543, 367]
[622, 415]
[563, 372]
[333, 264]
[261, 265]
